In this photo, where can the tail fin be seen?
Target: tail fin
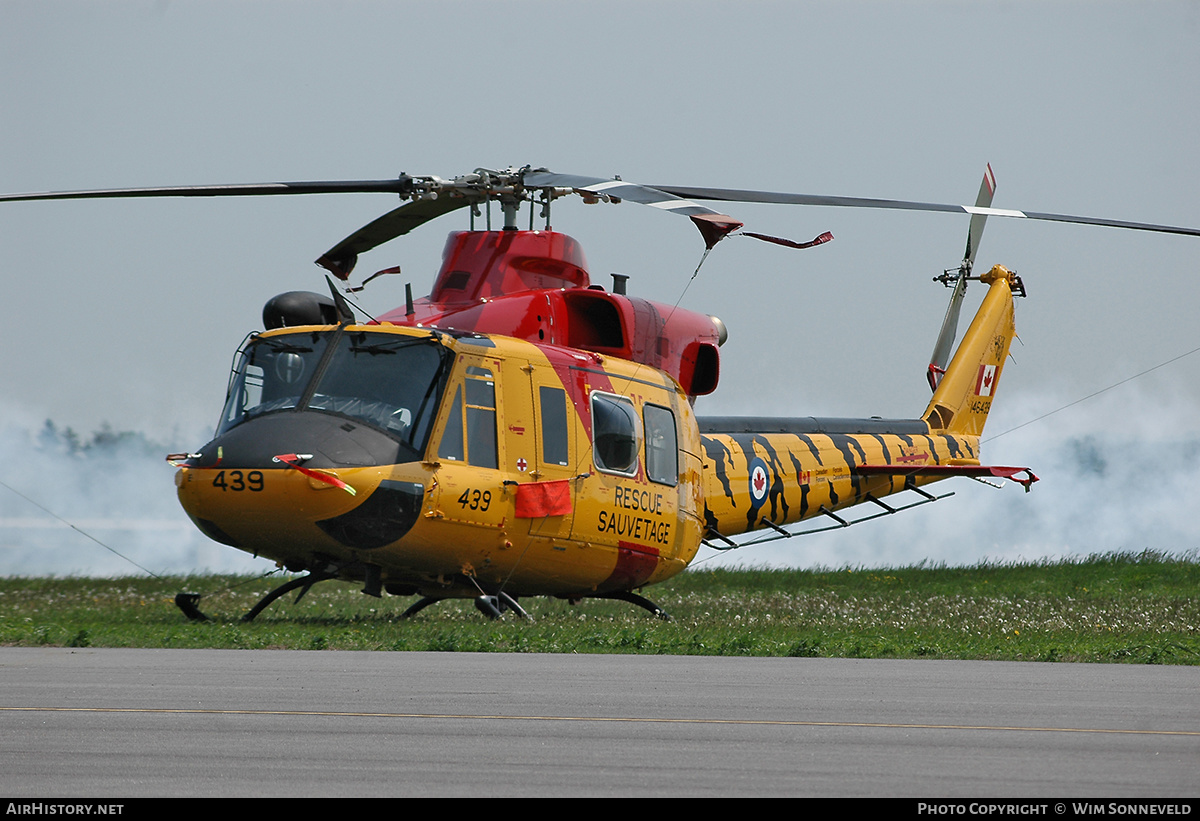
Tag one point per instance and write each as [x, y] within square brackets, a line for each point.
[964, 395]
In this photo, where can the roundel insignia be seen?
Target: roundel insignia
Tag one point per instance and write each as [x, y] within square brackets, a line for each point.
[760, 481]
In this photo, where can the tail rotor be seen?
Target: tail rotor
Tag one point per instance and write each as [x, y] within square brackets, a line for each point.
[958, 280]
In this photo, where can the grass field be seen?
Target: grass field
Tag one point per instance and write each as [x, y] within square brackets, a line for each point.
[1140, 608]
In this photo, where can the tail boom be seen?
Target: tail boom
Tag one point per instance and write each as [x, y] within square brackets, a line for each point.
[756, 479]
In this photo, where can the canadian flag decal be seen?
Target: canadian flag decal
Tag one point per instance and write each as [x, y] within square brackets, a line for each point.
[985, 384]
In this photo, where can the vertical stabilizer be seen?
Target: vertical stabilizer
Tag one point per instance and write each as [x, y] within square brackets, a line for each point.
[964, 395]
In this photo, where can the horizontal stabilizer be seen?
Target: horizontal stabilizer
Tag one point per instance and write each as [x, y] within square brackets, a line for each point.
[944, 471]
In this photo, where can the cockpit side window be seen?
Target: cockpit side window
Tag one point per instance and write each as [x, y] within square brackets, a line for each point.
[453, 445]
[270, 375]
[470, 434]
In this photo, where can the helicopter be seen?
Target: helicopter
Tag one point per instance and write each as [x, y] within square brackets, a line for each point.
[522, 431]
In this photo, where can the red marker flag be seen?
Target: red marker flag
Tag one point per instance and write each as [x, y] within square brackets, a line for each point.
[536, 500]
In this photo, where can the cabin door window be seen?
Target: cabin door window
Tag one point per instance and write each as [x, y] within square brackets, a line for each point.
[616, 434]
[555, 434]
[662, 450]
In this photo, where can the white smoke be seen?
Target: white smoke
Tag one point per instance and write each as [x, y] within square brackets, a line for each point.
[64, 492]
[1118, 473]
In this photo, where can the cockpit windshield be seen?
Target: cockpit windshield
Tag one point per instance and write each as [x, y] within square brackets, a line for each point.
[389, 381]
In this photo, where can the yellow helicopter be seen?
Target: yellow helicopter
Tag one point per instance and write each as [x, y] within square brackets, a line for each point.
[522, 431]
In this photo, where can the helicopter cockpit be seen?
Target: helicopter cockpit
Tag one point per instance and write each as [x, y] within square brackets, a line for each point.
[388, 381]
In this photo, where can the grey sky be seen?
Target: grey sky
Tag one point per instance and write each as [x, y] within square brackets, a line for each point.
[129, 311]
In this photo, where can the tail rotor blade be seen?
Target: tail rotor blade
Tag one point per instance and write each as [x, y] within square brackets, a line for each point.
[987, 189]
[945, 340]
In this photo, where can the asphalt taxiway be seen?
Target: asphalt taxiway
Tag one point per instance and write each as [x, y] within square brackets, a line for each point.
[128, 723]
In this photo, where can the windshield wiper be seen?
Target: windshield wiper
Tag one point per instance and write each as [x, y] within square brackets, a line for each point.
[386, 347]
[284, 347]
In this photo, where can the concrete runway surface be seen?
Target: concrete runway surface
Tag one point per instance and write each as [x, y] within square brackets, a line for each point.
[128, 723]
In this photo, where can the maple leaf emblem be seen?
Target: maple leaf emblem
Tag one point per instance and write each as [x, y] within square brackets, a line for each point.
[760, 482]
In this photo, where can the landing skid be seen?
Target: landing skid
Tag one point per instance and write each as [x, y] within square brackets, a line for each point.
[305, 582]
[640, 601]
[188, 602]
[492, 606]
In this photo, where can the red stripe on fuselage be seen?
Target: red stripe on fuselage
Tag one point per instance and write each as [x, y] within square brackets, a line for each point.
[568, 366]
[635, 564]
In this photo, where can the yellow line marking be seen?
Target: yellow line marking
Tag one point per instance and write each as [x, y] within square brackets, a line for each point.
[627, 719]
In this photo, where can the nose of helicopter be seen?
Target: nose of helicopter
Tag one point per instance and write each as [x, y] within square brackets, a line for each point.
[333, 442]
[290, 484]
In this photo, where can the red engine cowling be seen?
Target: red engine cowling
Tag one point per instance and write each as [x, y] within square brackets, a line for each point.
[534, 285]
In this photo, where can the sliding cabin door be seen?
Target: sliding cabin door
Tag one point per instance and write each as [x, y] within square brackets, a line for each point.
[548, 455]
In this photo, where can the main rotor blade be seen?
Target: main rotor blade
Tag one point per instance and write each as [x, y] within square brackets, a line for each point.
[713, 226]
[401, 185]
[738, 195]
[340, 259]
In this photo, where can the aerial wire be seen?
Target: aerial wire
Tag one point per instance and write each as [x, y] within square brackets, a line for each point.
[78, 529]
[1092, 395]
[112, 550]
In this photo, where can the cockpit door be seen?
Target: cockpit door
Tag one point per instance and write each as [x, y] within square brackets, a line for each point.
[470, 452]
